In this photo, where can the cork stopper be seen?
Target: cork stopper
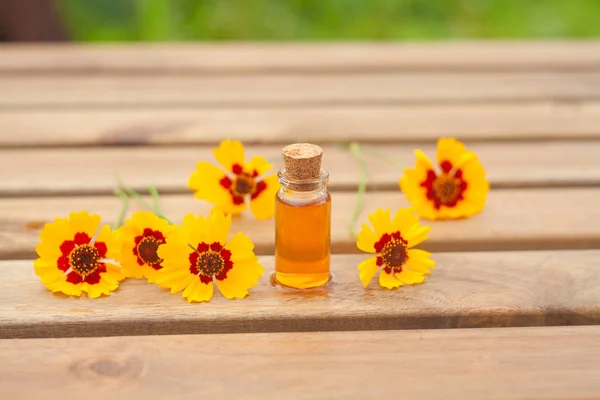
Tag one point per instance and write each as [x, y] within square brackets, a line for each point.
[302, 161]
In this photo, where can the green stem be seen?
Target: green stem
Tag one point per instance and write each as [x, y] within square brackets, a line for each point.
[152, 207]
[362, 185]
[154, 193]
[125, 201]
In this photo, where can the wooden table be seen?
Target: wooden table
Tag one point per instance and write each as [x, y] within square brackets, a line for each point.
[511, 311]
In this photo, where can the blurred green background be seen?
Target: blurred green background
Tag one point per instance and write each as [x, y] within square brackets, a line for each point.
[196, 20]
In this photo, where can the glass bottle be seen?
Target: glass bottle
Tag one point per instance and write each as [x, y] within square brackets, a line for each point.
[302, 220]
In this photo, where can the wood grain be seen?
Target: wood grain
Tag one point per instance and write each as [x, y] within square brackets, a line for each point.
[189, 125]
[466, 290]
[509, 363]
[294, 90]
[226, 58]
[25, 172]
[512, 219]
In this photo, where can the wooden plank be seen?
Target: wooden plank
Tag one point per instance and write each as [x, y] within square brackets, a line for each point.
[228, 58]
[512, 219]
[466, 290]
[34, 172]
[293, 90]
[481, 122]
[510, 363]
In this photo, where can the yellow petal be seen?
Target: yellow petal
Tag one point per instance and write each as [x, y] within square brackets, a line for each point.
[410, 184]
[84, 222]
[472, 171]
[114, 273]
[464, 159]
[107, 237]
[218, 226]
[381, 222]
[190, 288]
[449, 149]
[405, 219]
[410, 277]
[200, 292]
[42, 266]
[419, 260]
[195, 229]
[129, 261]
[417, 235]
[174, 254]
[151, 274]
[388, 281]
[477, 190]
[229, 208]
[239, 279]
[177, 285]
[54, 234]
[263, 205]
[367, 270]
[428, 211]
[229, 153]
[51, 277]
[48, 250]
[143, 218]
[417, 196]
[97, 290]
[242, 249]
[259, 165]
[366, 239]
[136, 272]
[168, 279]
[413, 177]
[206, 182]
[146, 219]
[69, 289]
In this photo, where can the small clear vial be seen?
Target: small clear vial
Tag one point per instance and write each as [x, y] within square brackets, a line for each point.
[302, 219]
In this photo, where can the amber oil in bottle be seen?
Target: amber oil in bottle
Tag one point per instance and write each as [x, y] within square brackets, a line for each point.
[302, 219]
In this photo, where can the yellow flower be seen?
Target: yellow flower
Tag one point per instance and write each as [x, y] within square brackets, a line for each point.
[199, 253]
[457, 190]
[74, 255]
[140, 238]
[239, 184]
[393, 242]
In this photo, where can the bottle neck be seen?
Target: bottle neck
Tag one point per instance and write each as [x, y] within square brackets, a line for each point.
[303, 189]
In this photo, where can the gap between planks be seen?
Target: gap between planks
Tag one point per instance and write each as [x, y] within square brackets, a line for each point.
[465, 290]
[76, 92]
[543, 121]
[90, 171]
[255, 58]
[538, 363]
[512, 220]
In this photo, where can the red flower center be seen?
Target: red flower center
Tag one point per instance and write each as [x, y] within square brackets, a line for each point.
[243, 185]
[148, 250]
[447, 188]
[208, 261]
[84, 259]
[392, 252]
